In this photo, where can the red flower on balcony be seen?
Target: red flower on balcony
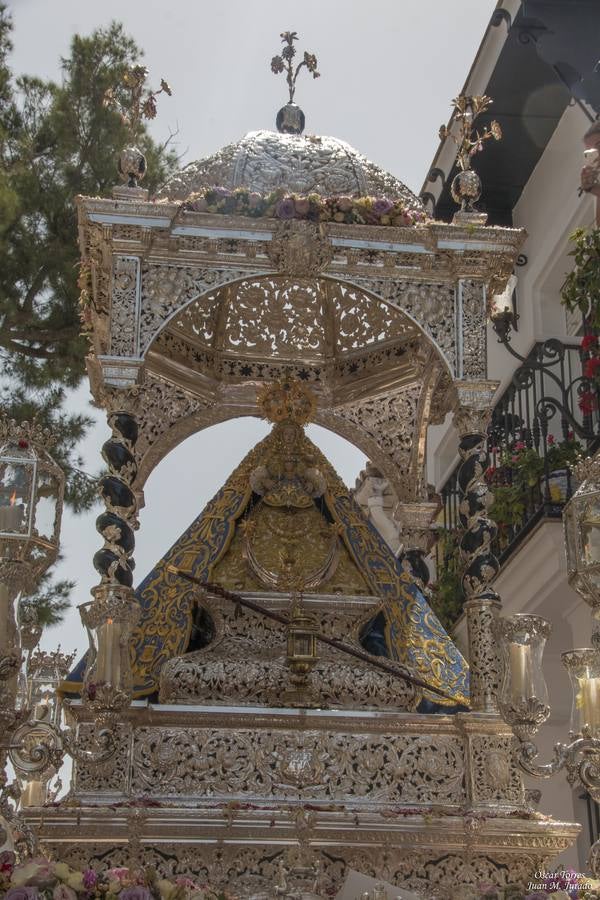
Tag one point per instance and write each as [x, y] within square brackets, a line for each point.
[588, 402]
[589, 342]
[592, 367]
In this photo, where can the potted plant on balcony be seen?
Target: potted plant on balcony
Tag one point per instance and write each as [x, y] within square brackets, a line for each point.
[518, 472]
[515, 472]
[562, 457]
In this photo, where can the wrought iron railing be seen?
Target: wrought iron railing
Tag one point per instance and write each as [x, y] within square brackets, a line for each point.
[538, 412]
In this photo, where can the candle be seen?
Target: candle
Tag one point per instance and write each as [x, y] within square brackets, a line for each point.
[108, 663]
[42, 710]
[519, 671]
[592, 541]
[590, 703]
[11, 517]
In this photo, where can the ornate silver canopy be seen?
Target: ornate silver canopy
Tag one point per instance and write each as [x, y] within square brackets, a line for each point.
[305, 164]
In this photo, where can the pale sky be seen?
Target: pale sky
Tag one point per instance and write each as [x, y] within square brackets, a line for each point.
[389, 69]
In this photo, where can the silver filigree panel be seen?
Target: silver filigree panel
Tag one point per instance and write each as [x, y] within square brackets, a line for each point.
[125, 297]
[289, 317]
[167, 288]
[473, 330]
[315, 765]
[431, 305]
[390, 420]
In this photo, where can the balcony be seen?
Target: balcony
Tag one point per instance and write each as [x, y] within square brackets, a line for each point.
[536, 433]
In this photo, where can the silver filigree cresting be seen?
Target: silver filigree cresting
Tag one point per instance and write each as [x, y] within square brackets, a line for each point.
[38, 749]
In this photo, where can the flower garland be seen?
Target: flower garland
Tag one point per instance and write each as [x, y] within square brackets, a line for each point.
[312, 208]
[42, 879]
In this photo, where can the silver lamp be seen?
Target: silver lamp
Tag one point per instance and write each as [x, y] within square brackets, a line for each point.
[31, 499]
[523, 694]
[581, 520]
[523, 697]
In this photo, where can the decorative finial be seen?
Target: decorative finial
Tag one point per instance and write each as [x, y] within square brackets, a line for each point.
[134, 103]
[466, 186]
[287, 400]
[290, 118]
[26, 433]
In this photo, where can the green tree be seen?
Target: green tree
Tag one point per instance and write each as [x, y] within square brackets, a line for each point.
[56, 141]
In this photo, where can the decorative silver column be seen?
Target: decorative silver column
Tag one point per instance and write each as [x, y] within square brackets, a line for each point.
[471, 418]
[416, 535]
[114, 610]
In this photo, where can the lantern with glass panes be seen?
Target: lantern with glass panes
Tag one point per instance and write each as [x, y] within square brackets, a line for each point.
[45, 671]
[31, 500]
[523, 696]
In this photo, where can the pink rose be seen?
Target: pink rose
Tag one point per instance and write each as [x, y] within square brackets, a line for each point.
[254, 200]
[119, 874]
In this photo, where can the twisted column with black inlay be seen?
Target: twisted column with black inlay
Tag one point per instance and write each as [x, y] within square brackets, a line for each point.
[114, 610]
[471, 418]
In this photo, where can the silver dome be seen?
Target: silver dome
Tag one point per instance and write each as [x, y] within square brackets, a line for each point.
[302, 164]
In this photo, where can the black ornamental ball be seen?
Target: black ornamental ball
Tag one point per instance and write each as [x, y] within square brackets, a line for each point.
[116, 530]
[125, 425]
[116, 494]
[132, 166]
[119, 458]
[112, 567]
[290, 119]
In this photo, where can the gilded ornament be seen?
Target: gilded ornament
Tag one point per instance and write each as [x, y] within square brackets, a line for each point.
[300, 249]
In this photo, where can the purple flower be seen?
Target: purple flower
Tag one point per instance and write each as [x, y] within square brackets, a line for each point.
[285, 209]
[90, 879]
[382, 206]
[135, 893]
[222, 192]
[22, 893]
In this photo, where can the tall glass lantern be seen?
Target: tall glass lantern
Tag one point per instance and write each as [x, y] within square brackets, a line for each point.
[523, 694]
[581, 518]
[31, 499]
[583, 666]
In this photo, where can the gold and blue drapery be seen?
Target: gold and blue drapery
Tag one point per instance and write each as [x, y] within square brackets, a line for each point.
[413, 633]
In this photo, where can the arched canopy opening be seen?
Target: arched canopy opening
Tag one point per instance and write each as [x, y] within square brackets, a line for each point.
[376, 375]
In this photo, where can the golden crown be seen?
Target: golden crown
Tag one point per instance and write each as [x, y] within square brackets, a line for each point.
[290, 400]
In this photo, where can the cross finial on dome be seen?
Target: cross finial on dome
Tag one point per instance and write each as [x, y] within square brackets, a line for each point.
[290, 118]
